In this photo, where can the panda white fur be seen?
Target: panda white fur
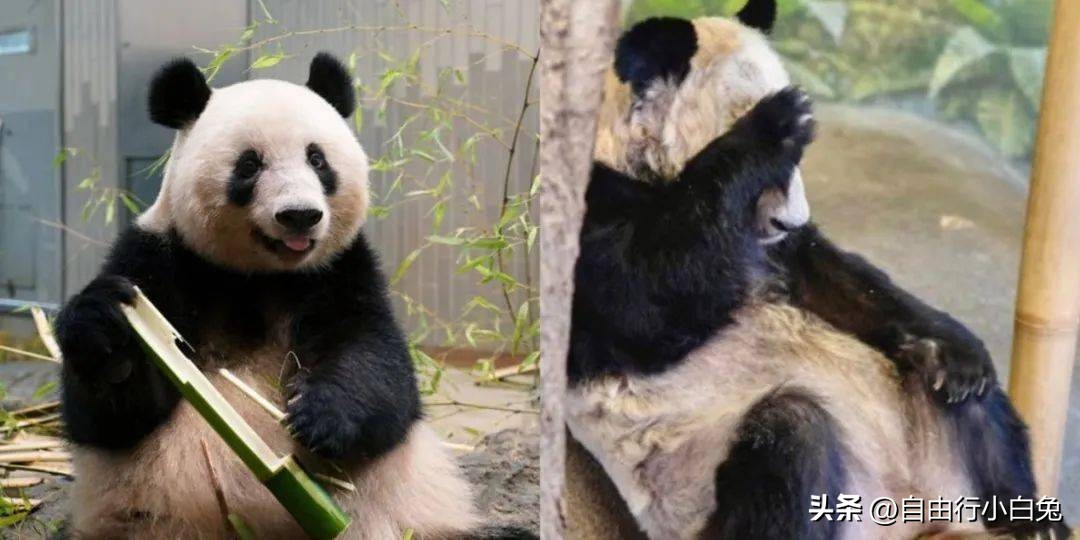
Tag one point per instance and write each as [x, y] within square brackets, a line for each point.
[254, 252]
[727, 362]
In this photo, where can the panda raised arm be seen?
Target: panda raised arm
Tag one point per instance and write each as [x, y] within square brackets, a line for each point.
[673, 107]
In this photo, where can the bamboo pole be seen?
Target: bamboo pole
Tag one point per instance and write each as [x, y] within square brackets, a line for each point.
[1048, 298]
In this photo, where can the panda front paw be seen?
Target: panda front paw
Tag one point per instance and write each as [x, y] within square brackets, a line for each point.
[94, 336]
[785, 120]
[335, 422]
[953, 368]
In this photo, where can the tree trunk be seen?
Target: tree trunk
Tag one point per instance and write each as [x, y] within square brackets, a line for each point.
[576, 39]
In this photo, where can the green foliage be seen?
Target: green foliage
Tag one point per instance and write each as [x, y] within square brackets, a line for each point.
[979, 62]
[643, 9]
[428, 162]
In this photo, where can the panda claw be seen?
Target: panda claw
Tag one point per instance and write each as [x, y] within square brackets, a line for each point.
[939, 380]
[784, 119]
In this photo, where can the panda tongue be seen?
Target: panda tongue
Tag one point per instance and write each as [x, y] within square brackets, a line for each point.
[297, 244]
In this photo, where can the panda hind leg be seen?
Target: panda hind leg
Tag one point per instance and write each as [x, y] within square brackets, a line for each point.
[785, 450]
[995, 444]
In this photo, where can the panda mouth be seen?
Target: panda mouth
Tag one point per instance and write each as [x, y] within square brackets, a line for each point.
[289, 248]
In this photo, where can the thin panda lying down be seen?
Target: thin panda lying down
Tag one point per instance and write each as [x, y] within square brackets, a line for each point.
[253, 251]
[727, 362]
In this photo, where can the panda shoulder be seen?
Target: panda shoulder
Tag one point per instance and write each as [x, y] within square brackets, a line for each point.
[360, 261]
[137, 249]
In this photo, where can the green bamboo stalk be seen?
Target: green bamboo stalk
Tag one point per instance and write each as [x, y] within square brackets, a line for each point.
[314, 509]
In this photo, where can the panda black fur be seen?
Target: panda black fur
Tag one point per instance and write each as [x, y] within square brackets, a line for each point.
[253, 251]
[727, 361]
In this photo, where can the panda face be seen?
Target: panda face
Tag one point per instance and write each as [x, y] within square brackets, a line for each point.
[677, 85]
[267, 177]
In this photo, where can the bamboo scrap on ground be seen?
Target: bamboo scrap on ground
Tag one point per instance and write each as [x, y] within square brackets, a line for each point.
[36, 445]
[21, 503]
[34, 456]
[40, 408]
[30, 422]
[21, 482]
[58, 471]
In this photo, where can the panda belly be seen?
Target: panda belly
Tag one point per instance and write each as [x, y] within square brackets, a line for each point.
[163, 487]
[661, 437]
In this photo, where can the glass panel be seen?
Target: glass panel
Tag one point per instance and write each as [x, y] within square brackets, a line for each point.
[16, 42]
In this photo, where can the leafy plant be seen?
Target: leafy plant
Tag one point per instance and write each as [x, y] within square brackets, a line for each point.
[430, 163]
[977, 61]
[1005, 37]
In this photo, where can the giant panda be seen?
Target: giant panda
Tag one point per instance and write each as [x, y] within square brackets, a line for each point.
[253, 250]
[727, 362]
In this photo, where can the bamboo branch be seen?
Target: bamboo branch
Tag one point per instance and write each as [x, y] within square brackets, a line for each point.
[27, 354]
[20, 483]
[34, 457]
[31, 409]
[21, 503]
[32, 468]
[45, 331]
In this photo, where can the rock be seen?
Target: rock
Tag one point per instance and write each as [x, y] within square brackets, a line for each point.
[22, 379]
[505, 472]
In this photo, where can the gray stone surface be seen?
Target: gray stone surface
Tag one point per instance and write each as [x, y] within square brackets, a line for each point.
[942, 214]
[505, 473]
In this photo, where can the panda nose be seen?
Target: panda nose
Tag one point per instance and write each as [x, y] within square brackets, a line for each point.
[299, 219]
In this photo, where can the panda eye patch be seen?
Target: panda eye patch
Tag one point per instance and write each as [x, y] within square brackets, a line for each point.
[316, 159]
[241, 187]
[249, 164]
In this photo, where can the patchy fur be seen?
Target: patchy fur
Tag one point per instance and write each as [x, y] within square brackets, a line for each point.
[894, 443]
[726, 360]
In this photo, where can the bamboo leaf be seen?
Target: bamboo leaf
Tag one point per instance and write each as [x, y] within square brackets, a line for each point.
[446, 240]
[1027, 65]
[1006, 122]
[405, 264]
[110, 210]
[129, 203]
[965, 48]
[831, 14]
[981, 16]
[43, 390]
[267, 61]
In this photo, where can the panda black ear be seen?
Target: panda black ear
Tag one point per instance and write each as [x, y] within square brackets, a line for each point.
[760, 14]
[658, 48]
[178, 94]
[329, 78]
